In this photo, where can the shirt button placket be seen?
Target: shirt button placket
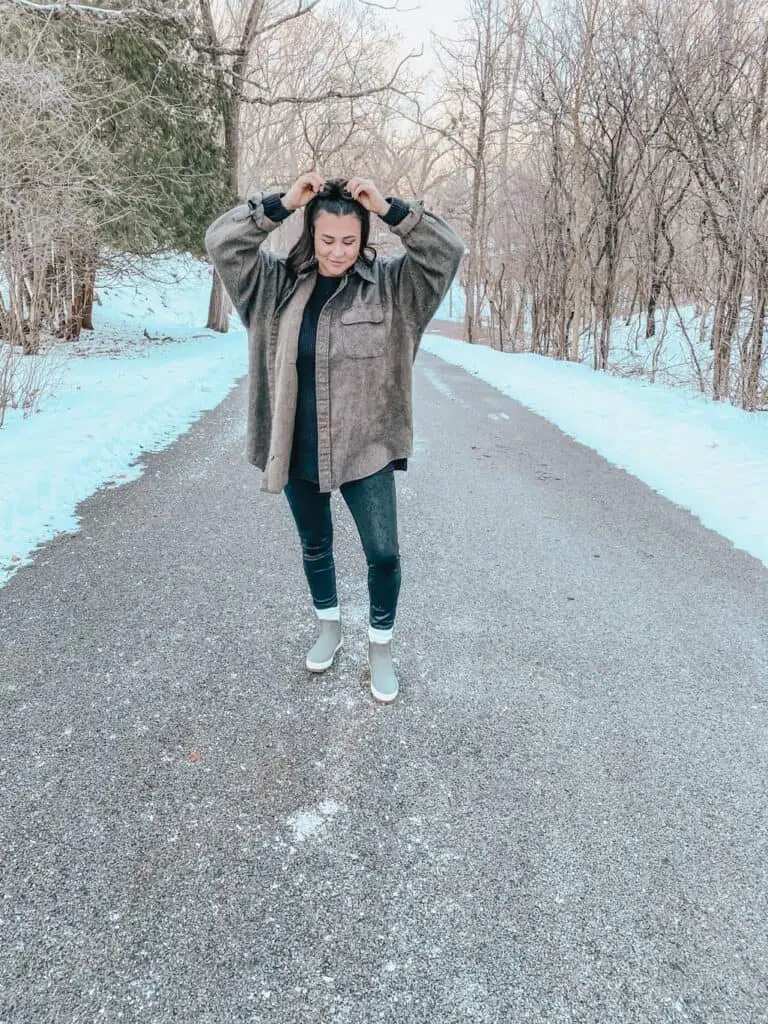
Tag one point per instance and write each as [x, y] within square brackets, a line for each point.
[323, 392]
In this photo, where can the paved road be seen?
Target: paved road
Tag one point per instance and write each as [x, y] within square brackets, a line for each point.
[564, 818]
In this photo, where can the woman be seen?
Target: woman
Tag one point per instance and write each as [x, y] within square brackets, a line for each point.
[333, 330]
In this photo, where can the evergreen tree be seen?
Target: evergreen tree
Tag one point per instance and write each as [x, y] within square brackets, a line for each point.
[132, 163]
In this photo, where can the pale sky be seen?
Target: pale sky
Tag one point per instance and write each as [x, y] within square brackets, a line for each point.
[416, 17]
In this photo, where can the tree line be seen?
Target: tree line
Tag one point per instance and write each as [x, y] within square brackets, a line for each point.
[616, 153]
[604, 160]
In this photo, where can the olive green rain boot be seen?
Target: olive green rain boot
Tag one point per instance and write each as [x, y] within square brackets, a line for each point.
[328, 643]
[383, 679]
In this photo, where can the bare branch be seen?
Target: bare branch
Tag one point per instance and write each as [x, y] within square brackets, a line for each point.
[389, 7]
[287, 17]
[332, 94]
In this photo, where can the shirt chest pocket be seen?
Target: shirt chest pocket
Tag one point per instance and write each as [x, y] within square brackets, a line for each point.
[363, 332]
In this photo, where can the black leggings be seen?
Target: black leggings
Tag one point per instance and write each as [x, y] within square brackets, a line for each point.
[372, 502]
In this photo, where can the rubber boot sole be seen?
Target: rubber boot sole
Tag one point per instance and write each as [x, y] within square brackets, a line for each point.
[383, 698]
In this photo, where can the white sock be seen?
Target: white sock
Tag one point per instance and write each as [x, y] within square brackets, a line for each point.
[329, 614]
[379, 636]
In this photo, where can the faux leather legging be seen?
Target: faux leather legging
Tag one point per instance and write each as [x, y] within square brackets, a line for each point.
[372, 502]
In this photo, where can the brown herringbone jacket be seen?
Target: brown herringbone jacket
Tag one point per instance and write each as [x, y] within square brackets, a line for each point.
[367, 338]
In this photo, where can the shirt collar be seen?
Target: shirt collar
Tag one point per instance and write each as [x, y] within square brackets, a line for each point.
[364, 270]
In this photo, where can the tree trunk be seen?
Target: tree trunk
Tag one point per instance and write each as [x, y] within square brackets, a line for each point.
[653, 299]
[219, 306]
[89, 290]
[754, 355]
[518, 330]
[81, 308]
[578, 275]
[585, 70]
[471, 312]
[655, 291]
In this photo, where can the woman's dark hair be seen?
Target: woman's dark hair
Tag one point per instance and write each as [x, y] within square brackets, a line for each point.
[333, 198]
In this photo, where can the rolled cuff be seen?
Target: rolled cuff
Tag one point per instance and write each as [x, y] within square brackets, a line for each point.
[398, 209]
[273, 207]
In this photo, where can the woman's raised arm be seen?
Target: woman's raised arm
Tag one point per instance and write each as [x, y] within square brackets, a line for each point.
[422, 275]
[234, 242]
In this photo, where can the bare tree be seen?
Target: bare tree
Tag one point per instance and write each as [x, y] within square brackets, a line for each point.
[254, 49]
[47, 203]
[474, 115]
[720, 131]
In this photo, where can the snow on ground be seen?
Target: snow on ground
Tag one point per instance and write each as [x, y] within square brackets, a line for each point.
[678, 354]
[119, 393]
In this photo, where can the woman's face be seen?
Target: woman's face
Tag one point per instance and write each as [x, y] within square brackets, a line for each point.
[337, 242]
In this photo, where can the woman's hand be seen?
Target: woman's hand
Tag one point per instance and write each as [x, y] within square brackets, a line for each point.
[366, 193]
[302, 190]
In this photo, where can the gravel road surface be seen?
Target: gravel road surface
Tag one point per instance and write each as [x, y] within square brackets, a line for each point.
[563, 818]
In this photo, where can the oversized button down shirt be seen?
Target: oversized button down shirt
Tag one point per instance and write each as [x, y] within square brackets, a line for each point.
[368, 335]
